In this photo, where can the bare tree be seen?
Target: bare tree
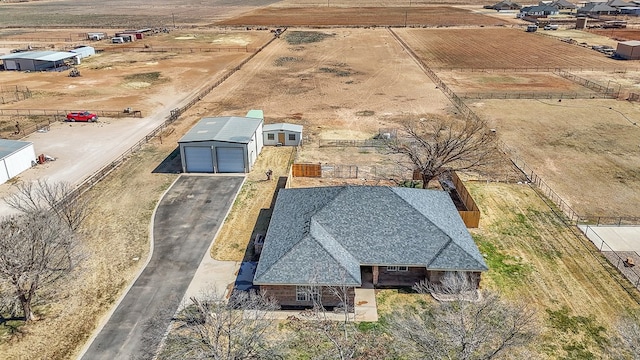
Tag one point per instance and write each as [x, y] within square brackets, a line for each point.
[36, 250]
[439, 144]
[58, 198]
[211, 327]
[454, 284]
[484, 329]
[334, 334]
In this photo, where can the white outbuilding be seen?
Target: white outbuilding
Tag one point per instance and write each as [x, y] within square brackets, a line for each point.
[282, 134]
[227, 144]
[15, 157]
[84, 51]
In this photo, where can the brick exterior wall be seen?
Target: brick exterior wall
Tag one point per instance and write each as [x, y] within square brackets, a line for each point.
[400, 278]
[286, 296]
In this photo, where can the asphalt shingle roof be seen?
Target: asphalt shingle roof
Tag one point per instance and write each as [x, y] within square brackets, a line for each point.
[323, 235]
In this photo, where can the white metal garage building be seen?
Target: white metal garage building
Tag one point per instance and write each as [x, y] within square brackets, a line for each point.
[15, 157]
[227, 144]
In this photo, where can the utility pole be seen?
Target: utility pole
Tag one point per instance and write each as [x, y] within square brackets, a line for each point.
[173, 16]
[405, 19]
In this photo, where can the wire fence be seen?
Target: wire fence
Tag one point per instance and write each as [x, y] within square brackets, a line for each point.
[352, 143]
[605, 90]
[61, 114]
[180, 50]
[539, 69]
[537, 95]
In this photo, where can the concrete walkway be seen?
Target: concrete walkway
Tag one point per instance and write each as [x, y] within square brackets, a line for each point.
[616, 238]
[186, 221]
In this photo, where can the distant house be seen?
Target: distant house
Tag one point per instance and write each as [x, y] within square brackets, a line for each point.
[361, 236]
[630, 10]
[282, 134]
[538, 10]
[618, 3]
[597, 8]
[505, 5]
[37, 60]
[563, 5]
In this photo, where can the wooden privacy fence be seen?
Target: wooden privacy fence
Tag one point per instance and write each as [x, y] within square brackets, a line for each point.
[306, 170]
[470, 216]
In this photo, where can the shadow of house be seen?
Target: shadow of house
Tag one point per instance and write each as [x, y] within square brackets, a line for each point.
[171, 164]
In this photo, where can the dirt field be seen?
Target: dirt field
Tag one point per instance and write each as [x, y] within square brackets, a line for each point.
[145, 81]
[586, 150]
[491, 48]
[519, 82]
[625, 81]
[618, 34]
[363, 16]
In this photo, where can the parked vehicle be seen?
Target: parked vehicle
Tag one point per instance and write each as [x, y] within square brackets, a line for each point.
[551, 27]
[532, 28]
[82, 116]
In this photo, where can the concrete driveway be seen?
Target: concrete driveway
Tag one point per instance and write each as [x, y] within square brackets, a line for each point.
[185, 224]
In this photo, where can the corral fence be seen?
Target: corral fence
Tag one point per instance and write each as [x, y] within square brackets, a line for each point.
[14, 93]
[633, 97]
[537, 95]
[536, 69]
[22, 131]
[351, 143]
[172, 117]
[59, 114]
[179, 50]
[588, 83]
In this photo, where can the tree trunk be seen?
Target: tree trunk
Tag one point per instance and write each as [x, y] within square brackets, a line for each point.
[426, 178]
[25, 301]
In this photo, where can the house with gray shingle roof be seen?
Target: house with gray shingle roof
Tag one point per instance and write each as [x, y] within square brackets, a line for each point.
[359, 236]
[597, 8]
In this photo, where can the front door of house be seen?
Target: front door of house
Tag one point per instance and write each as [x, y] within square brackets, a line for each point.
[281, 138]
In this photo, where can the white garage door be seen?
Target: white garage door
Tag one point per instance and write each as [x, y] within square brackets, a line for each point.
[199, 159]
[230, 160]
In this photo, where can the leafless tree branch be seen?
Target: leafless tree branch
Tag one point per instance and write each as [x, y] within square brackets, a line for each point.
[439, 144]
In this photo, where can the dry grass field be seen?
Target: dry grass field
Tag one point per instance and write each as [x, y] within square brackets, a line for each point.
[498, 48]
[586, 150]
[618, 34]
[430, 16]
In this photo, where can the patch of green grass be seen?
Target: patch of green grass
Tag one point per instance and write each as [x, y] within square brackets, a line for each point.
[365, 113]
[504, 269]
[336, 71]
[150, 77]
[286, 59]
[305, 37]
[579, 333]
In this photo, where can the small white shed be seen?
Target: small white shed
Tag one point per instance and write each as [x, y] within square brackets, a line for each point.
[15, 157]
[227, 144]
[282, 134]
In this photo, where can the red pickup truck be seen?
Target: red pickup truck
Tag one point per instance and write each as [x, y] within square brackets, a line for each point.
[82, 116]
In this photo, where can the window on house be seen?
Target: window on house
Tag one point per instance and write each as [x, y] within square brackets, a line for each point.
[271, 136]
[307, 293]
[292, 137]
[397, 268]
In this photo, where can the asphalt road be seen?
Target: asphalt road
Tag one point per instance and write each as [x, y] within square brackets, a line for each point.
[187, 219]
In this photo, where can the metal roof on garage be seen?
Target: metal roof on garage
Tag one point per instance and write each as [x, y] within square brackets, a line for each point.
[40, 55]
[8, 147]
[227, 129]
[283, 127]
